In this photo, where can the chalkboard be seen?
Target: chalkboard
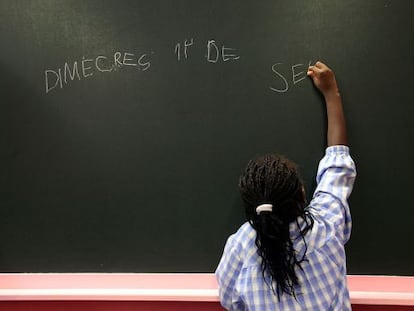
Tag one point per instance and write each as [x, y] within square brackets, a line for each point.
[124, 126]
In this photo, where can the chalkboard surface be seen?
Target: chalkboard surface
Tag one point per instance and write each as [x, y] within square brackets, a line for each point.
[124, 126]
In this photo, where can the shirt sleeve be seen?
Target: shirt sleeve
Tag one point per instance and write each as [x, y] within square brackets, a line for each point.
[227, 273]
[335, 180]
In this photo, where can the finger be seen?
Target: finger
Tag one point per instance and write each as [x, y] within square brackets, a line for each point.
[314, 71]
[322, 66]
[311, 70]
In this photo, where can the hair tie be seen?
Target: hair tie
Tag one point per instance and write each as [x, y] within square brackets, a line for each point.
[264, 208]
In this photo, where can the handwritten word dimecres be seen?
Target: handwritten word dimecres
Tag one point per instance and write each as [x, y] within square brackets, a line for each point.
[87, 67]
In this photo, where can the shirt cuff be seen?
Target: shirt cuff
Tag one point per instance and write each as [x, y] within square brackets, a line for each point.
[337, 149]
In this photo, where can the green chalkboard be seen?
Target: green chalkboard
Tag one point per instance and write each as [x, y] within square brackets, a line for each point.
[124, 126]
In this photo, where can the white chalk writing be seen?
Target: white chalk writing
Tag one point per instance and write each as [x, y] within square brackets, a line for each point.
[214, 52]
[183, 48]
[284, 76]
[297, 71]
[87, 67]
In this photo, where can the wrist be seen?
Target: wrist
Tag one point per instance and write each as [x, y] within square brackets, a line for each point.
[332, 96]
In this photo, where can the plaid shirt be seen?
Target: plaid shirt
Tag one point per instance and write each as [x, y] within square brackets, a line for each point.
[322, 282]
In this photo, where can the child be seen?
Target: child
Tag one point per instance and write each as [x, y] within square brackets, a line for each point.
[290, 255]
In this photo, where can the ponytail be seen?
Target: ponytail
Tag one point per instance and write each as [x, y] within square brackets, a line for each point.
[278, 255]
[273, 179]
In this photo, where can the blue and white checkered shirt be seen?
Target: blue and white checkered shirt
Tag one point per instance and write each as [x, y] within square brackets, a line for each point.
[322, 282]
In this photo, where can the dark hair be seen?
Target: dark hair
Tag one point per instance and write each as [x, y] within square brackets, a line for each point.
[275, 180]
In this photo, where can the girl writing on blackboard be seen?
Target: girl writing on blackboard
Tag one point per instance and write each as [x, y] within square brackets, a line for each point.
[290, 255]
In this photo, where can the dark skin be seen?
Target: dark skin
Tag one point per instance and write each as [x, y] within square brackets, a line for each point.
[324, 80]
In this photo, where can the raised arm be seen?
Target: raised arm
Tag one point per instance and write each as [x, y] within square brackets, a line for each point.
[324, 79]
[336, 171]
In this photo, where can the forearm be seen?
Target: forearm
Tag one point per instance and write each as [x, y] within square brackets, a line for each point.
[324, 79]
[336, 132]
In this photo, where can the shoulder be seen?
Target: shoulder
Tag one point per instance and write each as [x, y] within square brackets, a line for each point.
[242, 241]
[243, 235]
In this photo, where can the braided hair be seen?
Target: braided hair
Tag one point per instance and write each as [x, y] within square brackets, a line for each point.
[273, 179]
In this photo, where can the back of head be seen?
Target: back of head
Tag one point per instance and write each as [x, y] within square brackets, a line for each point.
[273, 179]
